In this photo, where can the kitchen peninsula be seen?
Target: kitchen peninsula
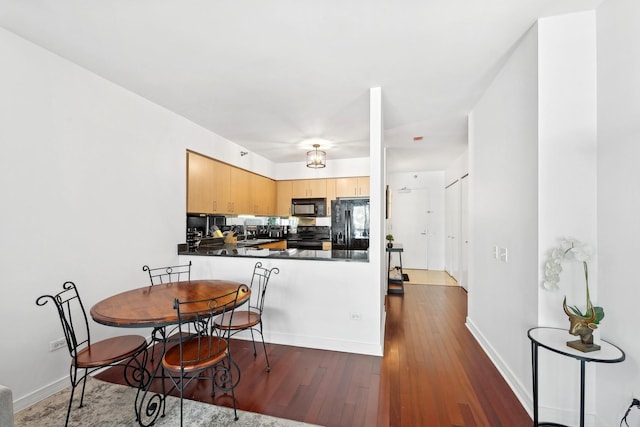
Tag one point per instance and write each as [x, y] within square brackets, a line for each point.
[254, 248]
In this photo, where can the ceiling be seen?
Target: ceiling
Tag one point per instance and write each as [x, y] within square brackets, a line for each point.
[271, 75]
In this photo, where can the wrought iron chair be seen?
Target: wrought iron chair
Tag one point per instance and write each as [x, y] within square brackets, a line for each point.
[158, 276]
[251, 319]
[201, 349]
[92, 356]
[168, 274]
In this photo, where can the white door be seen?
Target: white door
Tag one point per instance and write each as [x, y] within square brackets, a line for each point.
[410, 226]
[452, 229]
[464, 232]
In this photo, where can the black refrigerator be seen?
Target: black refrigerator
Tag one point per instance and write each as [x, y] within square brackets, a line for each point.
[350, 224]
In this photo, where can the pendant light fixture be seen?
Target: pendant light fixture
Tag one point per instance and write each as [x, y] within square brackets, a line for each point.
[316, 159]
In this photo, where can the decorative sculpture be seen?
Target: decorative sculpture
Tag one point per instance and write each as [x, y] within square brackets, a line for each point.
[582, 327]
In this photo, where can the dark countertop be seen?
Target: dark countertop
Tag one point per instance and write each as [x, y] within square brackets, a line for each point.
[246, 249]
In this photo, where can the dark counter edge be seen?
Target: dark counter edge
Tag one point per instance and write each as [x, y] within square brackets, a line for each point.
[336, 255]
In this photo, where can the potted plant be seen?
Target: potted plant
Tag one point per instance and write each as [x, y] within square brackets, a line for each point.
[389, 238]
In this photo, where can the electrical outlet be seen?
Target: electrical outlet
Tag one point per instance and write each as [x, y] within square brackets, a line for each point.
[356, 316]
[57, 344]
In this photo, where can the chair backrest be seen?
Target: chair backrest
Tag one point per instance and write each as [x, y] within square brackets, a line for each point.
[172, 273]
[73, 317]
[259, 282]
[195, 322]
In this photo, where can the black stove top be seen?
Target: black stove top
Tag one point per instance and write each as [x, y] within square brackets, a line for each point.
[309, 237]
[311, 232]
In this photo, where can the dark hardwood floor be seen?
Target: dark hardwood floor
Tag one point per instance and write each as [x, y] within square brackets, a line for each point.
[433, 374]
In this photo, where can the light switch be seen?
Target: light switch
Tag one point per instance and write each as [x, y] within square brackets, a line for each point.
[503, 254]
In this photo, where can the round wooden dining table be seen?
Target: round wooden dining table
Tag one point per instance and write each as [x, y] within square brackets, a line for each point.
[152, 306]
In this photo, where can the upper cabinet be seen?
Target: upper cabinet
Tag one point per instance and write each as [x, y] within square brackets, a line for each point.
[352, 187]
[283, 198]
[200, 189]
[302, 188]
[215, 187]
[263, 195]
[208, 185]
[331, 193]
[221, 187]
[240, 192]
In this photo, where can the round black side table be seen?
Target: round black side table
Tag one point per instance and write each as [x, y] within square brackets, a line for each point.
[555, 340]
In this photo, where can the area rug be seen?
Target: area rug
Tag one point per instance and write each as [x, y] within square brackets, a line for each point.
[110, 405]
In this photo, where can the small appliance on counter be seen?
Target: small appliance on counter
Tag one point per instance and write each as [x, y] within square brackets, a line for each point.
[194, 237]
[350, 224]
[205, 224]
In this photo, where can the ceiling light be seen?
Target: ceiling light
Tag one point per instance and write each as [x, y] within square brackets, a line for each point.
[316, 159]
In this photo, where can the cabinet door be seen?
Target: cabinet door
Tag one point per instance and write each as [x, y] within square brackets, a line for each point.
[299, 188]
[317, 187]
[263, 195]
[200, 194]
[331, 193]
[283, 198]
[352, 186]
[363, 186]
[302, 188]
[220, 184]
[346, 187]
[240, 195]
[271, 197]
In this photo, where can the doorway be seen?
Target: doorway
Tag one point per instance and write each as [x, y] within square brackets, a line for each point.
[412, 234]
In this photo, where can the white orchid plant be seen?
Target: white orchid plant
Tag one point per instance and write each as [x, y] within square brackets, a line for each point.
[570, 249]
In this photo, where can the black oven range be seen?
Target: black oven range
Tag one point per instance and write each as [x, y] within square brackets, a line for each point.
[310, 237]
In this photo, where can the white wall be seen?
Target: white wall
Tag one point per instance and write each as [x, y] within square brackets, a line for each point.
[567, 190]
[502, 303]
[335, 168]
[93, 187]
[618, 203]
[536, 179]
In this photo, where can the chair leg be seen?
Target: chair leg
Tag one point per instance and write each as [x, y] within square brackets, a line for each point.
[84, 384]
[255, 353]
[233, 390]
[73, 389]
[266, 356]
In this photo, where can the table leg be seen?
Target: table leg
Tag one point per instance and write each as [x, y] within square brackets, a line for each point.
[534, 367]
[582, 380]
[149, 404]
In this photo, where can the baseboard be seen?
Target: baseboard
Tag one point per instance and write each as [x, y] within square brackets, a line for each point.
[40, 394]
[324, 343]
[521, 392]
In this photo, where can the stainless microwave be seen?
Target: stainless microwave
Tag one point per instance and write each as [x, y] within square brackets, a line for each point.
[309, 207]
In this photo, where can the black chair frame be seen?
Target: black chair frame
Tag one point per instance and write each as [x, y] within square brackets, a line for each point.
[158, 276]
[89, 356]
[251, 319]
[201, 348]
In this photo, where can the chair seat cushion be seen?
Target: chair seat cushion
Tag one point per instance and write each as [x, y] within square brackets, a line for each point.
[241, 320]
[198, 354]
[110, 350]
